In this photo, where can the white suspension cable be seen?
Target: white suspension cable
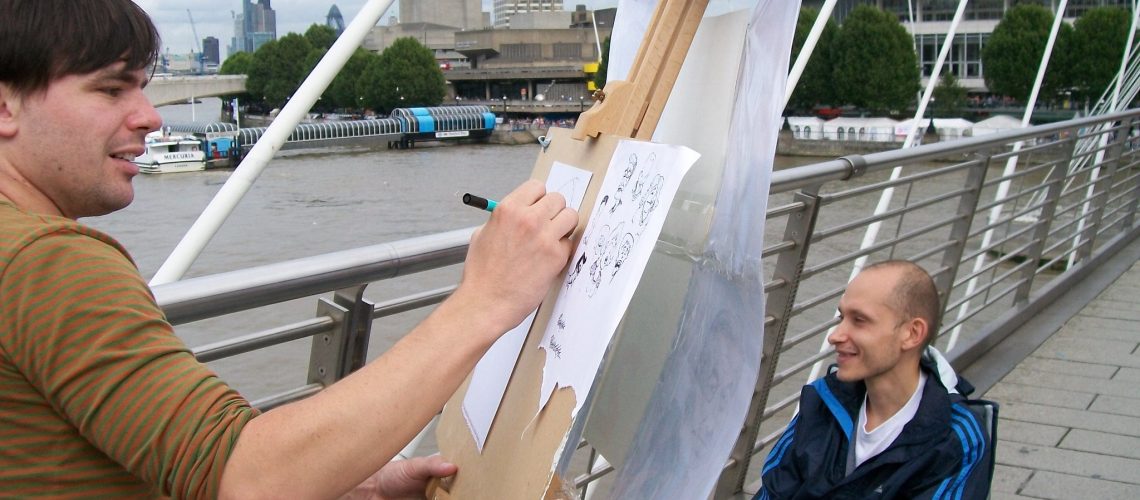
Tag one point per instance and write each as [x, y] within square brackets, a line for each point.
[1010, 167]
[1102, 139]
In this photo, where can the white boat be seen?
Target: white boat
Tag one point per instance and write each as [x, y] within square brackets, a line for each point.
[171, 153]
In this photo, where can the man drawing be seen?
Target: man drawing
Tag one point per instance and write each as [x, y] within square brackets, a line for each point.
[98, 398]
[888, 420]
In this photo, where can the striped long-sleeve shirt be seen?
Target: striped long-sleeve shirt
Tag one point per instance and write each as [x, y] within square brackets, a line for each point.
[98, 397]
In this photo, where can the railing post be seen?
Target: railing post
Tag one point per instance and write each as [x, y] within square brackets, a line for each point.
[789, 267]
[1130, 215]
[1132, 145]
[960, 230]
[338, 353]
[1098, 198]
[1056, 183]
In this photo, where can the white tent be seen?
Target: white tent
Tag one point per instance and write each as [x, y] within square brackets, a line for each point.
[903, 128]
[952, 128]
[994, 124]
[859, 129]
[805, 127]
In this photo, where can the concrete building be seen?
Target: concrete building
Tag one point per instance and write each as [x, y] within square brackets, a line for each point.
[505, 9]
[539, 57]
[540, 20]
[525, 63]
[582, 17]
[932, 20]
[440, 39]
[459, 14]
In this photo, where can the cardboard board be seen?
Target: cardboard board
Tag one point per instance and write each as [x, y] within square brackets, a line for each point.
[519, 456]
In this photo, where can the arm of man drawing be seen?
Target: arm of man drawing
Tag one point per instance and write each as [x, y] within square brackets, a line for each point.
[337, 438]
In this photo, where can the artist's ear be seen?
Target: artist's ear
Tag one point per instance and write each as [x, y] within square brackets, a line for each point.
[9, 111]
[915, 331]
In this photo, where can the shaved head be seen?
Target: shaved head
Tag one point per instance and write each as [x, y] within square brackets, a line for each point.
[914, 294]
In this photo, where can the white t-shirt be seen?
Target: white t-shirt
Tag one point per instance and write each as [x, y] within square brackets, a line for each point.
[869, 444]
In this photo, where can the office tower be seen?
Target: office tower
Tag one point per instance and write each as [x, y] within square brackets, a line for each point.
[211, 53]
[254, 27]
[334, 20]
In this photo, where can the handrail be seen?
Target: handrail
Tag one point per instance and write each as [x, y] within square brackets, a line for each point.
[208, 296]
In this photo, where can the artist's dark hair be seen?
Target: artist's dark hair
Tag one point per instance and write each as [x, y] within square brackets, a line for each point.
[43, 40]
[915, 295]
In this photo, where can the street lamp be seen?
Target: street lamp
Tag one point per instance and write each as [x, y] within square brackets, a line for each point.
[504, 104]
[581, 103]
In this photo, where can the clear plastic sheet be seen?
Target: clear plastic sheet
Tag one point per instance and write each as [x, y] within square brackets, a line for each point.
[698, 403]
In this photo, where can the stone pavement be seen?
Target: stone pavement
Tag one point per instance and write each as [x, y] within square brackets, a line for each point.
[1069, 423]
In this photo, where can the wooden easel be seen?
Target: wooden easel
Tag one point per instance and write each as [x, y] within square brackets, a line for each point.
[519, 455]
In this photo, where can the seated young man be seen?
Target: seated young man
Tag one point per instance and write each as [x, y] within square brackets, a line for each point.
[888, 420]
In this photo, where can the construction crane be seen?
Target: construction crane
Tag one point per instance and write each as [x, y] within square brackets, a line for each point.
[198, 56]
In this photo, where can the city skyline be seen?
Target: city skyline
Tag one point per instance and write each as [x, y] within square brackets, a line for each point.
[212, 17]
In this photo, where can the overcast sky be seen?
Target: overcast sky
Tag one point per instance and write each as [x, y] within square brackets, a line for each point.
[215, 17]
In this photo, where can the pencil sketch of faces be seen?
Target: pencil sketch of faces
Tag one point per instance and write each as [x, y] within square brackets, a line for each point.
[624, 249]
[639, 186]
[575, 270]
[630, 166]
[652, 199]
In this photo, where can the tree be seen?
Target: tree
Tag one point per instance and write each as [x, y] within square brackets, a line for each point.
[1013, 53]
[278, 69]
[815, 85]
[949, 96]
[875, 64]
[321, 37]
[600, 76]
[237, 64]
[405, 74]
[1098, 41]
[342, 92]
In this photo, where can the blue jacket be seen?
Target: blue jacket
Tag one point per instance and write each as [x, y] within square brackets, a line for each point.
[944, 452]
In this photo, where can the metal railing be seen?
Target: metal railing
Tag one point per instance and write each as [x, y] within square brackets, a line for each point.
[817, 214]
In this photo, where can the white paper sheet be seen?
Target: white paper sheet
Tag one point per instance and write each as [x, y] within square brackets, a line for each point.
[628, 214]
[489, 381]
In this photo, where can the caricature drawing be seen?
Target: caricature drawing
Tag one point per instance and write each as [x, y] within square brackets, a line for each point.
[649, 203]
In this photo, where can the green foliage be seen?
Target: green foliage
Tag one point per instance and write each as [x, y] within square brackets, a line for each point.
[311, 59]
[875, 64]
[278, 69]
[321, 37]
[1098, 41]
[1013, 52]
[342, 92]
[237, 64]
[815, 85]
[406, 74]
[949, 97]
[600, 76]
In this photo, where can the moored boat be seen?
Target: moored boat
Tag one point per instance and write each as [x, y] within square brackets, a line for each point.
[171, 153]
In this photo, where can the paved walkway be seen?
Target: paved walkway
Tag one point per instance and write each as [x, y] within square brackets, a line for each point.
[1070, 412]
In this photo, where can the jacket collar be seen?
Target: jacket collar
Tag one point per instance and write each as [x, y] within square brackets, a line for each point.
[843, 400]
